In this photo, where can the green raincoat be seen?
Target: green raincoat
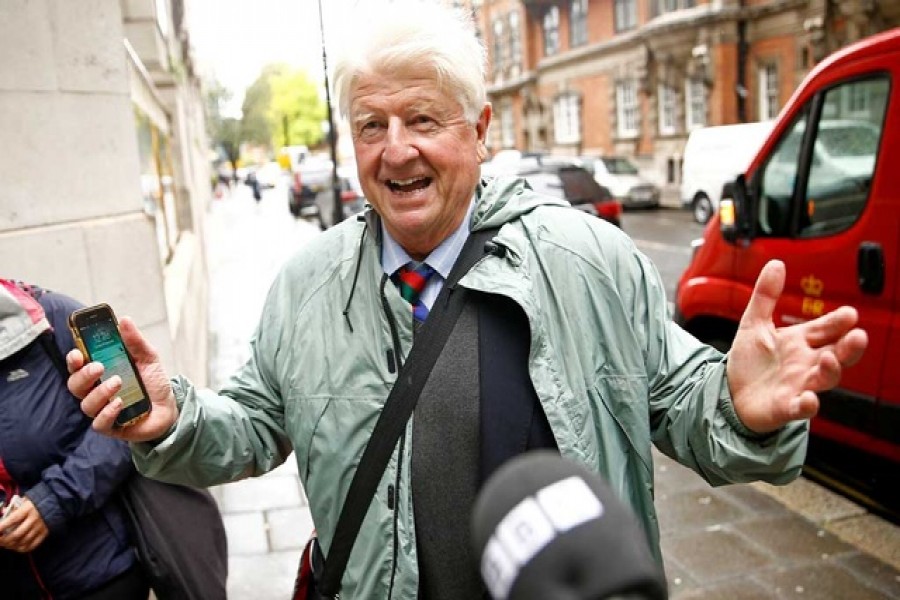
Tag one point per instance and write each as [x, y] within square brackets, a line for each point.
[612, 371]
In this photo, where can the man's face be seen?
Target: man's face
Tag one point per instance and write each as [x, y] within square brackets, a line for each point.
[418, 158]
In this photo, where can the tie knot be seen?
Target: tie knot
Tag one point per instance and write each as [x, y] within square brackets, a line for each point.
[412, 279]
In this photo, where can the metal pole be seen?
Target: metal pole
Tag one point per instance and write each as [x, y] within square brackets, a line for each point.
[332, 133]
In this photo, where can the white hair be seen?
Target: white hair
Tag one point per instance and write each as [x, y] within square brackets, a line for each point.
[402, 37]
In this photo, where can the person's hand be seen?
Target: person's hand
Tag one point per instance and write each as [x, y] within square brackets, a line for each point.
[23, 529]
[101, 402]
[775, 373]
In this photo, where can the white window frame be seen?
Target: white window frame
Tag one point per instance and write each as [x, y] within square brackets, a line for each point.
[515, 40]
[627, 108]
[694, 103]
[550, 28]
[768, 91]
[624, 14]
[567, 118]
[578, 23]
[507, 126]
[497, 31]
[666, 108]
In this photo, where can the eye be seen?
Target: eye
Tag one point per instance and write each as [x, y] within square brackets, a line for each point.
[369, 129]
[422, 121]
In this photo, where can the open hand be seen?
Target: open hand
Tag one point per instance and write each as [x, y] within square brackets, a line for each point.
[775, 373]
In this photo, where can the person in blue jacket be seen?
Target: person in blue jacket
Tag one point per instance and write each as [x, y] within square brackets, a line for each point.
[63, 534]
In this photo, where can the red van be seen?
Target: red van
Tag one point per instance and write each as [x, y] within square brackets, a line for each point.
[822, 195]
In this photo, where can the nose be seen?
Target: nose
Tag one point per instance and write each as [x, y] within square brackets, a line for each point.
[399, 144]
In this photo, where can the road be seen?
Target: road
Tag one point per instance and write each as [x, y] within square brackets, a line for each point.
[664, 236]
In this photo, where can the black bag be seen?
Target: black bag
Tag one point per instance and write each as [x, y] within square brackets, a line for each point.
[179, 537]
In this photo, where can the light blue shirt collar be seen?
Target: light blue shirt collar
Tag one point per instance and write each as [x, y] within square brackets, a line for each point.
[441, 259]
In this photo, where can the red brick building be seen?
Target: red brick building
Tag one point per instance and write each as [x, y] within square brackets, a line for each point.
[634, 77]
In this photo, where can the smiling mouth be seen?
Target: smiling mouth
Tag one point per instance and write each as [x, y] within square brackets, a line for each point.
[408, 185]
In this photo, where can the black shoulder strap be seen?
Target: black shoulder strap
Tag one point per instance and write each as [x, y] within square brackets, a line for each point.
[48, 341]
[398, 407]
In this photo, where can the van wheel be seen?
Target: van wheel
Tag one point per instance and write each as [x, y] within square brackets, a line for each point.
[702, 209]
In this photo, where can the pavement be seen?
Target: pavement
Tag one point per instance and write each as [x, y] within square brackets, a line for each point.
[752, 541]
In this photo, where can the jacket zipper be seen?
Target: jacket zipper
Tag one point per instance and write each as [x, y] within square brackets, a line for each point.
[394, 491]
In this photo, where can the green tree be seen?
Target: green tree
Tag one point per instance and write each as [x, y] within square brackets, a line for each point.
[230, 140]
[255, 125]
[224, 132]
[297, 110]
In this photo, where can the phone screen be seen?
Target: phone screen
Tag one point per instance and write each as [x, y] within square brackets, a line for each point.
[104, 344]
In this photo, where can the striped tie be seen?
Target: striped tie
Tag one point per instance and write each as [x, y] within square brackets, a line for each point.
[411, 279]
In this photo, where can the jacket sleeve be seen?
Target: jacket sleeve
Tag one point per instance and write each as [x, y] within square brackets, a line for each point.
[234, 434]
[692, 417]
[84, 482]
[96, 467]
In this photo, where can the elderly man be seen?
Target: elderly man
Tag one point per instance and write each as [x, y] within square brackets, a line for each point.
[565, 343]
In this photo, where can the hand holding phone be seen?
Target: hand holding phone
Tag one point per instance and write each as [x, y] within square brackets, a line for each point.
[100, 401]
[96, 333]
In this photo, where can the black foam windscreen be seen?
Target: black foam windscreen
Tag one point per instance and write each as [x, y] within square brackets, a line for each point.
[547, 527]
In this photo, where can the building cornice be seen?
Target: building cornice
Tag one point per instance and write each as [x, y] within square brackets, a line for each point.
[513, 84]
[686, 20]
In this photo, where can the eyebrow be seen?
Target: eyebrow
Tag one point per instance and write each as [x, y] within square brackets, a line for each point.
[420, 106]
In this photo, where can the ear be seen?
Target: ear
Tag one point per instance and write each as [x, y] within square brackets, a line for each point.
[481, 129]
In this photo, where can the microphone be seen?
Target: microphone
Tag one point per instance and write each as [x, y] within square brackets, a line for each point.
[547, 527]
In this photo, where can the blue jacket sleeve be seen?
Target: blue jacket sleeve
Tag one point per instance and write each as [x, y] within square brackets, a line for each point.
[91, 474]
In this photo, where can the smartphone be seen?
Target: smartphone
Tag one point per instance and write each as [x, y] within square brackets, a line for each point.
[96, 333]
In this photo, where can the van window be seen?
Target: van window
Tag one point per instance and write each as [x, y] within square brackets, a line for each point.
[841, 168]
[844, 153]
[779, 178]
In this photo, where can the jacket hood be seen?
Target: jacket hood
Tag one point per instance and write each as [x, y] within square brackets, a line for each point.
[503, 199]
[22, 319]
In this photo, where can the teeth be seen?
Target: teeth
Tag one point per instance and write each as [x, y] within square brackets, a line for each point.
[405, 181]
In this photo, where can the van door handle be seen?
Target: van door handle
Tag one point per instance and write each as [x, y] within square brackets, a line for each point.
[870, 268]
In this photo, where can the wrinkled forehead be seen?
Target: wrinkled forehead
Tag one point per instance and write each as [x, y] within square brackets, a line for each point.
[412, 89]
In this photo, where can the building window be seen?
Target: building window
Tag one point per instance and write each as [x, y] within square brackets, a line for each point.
[627, 108]
[695, 104]
[515, 41]
[578, 33]
[666, 109]
[855, 100]
[768, 92]
[625, 14]
[660, 7]
[567, 119]
[551, 31]
[507, 126]
[498, 44]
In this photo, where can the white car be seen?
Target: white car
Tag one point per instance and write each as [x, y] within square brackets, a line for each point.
[623, 179]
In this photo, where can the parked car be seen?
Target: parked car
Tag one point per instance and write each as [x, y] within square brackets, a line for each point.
[310, 176]
[353, 199]
[510, 162]
[823, 196]
[623, 179]
[714, 156]
[559, 177]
